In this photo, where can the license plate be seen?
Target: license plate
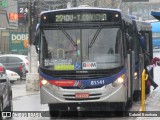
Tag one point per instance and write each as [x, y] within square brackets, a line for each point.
[82, 95]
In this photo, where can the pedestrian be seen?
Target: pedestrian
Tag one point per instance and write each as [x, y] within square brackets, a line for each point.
[156, 61]
[149, 65]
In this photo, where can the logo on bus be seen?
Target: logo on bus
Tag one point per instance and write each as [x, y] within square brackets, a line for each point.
[89, 65]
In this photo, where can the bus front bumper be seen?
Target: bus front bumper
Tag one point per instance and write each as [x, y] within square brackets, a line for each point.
[104, 94]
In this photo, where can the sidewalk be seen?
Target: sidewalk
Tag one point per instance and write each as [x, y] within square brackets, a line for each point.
[153, 101]
[152, 106]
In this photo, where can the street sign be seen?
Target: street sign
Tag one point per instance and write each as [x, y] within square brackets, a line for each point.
[135, 0]
[22, 13]
[18, 41]
[3, 3]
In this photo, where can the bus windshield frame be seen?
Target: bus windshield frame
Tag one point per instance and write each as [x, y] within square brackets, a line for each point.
[81, 39]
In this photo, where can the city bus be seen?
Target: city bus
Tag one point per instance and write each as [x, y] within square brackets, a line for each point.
[87, 59]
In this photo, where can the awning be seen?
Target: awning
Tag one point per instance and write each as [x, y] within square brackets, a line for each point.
[156, 14]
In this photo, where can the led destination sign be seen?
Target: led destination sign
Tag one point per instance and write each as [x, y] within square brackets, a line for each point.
[82, 17]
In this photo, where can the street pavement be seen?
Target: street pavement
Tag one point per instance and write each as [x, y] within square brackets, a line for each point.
[19, 89]
[152, 107]
[152, 104]
[29, 101]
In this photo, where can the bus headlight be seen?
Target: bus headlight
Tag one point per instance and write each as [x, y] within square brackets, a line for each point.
[44, 82]
[135, 75]
[119, 81]
[48, 85]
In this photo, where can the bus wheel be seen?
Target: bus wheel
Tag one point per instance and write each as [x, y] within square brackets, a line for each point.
[129, 103]
[53, 110]
[120, 109]
[136, 95]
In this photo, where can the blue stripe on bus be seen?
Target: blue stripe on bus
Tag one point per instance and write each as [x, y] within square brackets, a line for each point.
[91, 82]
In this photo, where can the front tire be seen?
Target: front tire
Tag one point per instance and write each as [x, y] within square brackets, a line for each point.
[129, 103]
[136, 95]
[121, 109]
[53, 110]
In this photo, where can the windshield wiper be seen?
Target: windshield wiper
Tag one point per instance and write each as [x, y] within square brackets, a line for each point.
[95, 37]
[69, 37]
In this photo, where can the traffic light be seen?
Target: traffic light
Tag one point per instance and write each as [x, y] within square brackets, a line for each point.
[3, 3]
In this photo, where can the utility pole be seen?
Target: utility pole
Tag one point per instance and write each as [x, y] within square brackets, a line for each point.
[112, 4]
[74, 3]
[95, 3]
[32, 77]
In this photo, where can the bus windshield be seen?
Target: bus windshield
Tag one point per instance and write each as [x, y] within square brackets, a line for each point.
[78, 49]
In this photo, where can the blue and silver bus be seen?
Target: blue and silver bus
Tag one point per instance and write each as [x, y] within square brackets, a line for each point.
[88, 57]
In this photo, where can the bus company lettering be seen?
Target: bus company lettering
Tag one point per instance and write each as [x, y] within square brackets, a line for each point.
[49, 62]
[89, 65]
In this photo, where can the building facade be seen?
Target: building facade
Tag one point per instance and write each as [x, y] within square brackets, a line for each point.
[14, 17]
[8, 23]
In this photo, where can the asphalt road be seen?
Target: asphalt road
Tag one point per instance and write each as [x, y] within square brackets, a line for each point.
[25, 103]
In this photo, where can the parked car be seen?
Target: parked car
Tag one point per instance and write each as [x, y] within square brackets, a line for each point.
[6, 104]
[12, 76]
[15, 62]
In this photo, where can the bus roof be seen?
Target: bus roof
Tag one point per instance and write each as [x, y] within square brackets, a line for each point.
[81, 8]
[142, 25]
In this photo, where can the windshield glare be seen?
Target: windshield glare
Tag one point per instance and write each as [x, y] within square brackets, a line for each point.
[77, 49]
